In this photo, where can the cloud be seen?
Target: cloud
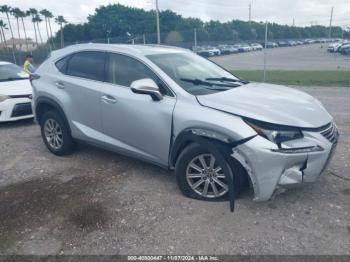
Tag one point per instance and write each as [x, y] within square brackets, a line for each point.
[303, 11]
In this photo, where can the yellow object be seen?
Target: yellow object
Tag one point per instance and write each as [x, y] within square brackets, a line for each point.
[27, 67]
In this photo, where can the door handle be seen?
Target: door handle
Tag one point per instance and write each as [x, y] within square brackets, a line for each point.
[60, 85]
[108, 99]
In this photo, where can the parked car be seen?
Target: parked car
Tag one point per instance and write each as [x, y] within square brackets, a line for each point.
[334, 47]
[256, 47]
[227, 49]
[244, 48]
[345, 49]
[15, 93]
[175, 109]
[282, 43]
[271, 45]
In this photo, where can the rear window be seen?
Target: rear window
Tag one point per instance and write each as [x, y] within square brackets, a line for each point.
[87, 64]
[62, 64]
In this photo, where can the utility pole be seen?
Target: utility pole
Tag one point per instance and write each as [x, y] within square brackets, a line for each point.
[144, 39]
[330, 23]
[158, 29]
[195, 39]
[250, 12]
[293, 21]
[265, 49]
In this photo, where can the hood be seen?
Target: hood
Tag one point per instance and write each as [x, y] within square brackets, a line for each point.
[17, 87]
[270, 103]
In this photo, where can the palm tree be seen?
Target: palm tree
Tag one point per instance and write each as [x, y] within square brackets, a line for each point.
[32, 12]
[22, 16]
[6, 10]
[16, 12]
[2, 33]
[38, 20]
[60, 20]
[2, 27]
[46, 13]
[49, 16]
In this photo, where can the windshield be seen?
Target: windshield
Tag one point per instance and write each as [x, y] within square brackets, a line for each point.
[195, 74]
[10, 72]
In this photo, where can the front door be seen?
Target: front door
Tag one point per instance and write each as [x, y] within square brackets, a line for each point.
[135, 123]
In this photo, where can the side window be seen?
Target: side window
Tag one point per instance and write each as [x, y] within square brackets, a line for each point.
[62, 64]
[87, 64]
[123, 70]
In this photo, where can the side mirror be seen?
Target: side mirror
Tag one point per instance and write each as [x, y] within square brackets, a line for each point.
[146, 86]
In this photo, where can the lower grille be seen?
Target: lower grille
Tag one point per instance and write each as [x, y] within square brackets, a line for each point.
[330, 132]
[22, 109]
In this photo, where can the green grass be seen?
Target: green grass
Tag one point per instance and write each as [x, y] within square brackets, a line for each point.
[303, 78]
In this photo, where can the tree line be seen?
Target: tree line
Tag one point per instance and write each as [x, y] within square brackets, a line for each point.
[115, 20]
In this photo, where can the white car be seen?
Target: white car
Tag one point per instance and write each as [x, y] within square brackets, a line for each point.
[15, 93]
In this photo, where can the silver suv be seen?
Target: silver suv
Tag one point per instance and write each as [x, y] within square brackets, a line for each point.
[180, 111]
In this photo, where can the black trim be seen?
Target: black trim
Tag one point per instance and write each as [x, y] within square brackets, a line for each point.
[187, 136]
[22, 96]
[22, 109]
[50, 102]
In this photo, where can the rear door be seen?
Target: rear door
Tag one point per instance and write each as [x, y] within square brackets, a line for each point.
[84, 76]
[132, 122]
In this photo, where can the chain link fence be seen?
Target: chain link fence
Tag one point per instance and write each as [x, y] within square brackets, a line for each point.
[247, 58]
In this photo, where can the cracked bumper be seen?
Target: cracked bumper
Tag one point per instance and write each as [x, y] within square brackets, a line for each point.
[270, 170]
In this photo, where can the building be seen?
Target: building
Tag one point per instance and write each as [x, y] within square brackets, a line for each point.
[20, 44]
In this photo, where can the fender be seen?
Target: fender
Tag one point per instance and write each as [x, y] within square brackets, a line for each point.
[48, 102]
[197, 135]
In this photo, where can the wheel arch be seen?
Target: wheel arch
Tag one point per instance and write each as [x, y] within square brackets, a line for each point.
[44, 104]
[197, 135]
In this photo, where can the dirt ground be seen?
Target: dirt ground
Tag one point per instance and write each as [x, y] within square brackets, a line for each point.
[97, 202]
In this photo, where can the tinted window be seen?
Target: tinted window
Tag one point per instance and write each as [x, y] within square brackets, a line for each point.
[62, 64]
[89, 64]
[123, 70]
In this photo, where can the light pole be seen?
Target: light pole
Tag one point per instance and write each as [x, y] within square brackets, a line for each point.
[158, 29]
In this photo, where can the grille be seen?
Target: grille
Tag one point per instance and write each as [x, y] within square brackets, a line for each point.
[22, 110]
[330, 132]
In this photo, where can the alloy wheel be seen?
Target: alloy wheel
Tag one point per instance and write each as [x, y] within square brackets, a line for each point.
[206, 177]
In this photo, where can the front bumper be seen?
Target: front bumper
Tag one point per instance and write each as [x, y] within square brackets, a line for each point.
[13, 109]
[270, 170]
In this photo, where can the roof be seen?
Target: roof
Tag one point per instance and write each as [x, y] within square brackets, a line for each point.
[131, 49]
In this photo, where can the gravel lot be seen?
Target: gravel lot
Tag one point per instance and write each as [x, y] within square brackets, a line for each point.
[97, 202]
[305, 57]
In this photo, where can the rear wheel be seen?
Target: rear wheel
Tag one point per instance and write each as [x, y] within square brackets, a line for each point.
[56, 134]
[201, 174]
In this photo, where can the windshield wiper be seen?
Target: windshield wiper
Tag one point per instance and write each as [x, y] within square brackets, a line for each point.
[198, 82]
[225, 79]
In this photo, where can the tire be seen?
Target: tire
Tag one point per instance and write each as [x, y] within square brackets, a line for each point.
[65, 143]
[182, 168]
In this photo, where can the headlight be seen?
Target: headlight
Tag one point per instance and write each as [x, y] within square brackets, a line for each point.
[275, 133]
[3, 98]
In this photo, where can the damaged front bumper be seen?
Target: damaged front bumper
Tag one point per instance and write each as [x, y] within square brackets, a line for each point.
[300, 161]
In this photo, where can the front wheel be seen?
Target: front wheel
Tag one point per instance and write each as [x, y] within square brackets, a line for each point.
[56, 134]
[201, 175]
